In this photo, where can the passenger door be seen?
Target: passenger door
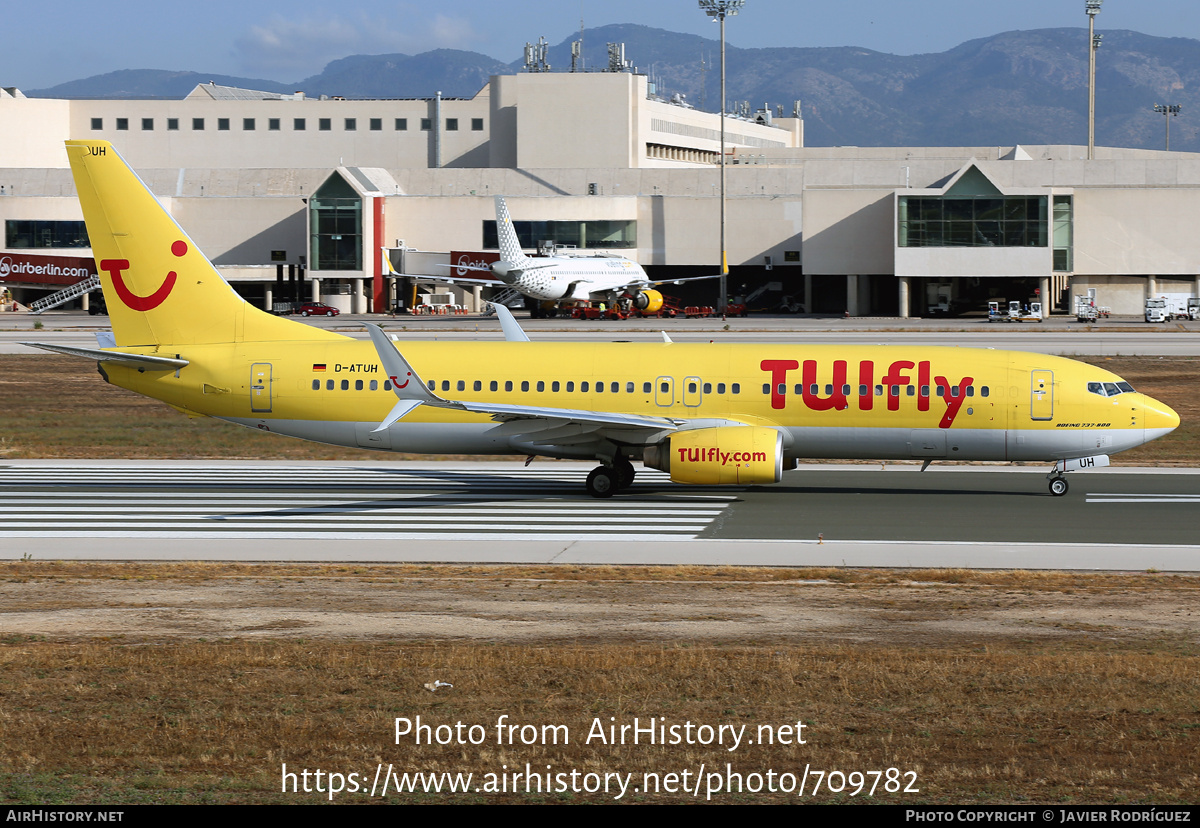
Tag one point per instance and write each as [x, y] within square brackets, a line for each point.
[260, 387]
[1041, 402]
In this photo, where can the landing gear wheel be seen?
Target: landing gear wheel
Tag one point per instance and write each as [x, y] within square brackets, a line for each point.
[1058, 486]
[625, 473]
[602, 482]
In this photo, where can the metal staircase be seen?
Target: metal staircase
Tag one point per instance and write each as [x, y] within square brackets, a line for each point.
[509, 297]
[65, 295]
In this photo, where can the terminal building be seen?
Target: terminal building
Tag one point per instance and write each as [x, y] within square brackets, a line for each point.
[352, 201]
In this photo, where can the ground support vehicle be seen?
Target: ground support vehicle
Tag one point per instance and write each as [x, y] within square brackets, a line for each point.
[1156, 310]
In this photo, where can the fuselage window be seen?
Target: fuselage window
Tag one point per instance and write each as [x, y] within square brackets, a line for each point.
[541, 386]
[645, 388]
[941, 390]
[374, 385]
[583, 386]
[387, 385]
[615, 387]
[895, 390]
[432, 385]
[629, 388]
[766, 388]
[878, 390]
[911, 390]
[493, 386]
[358, 385]
[345, 385]
[983, 392]
[445, 385]
[508, 385]
[970, 390]
[524, 385]
[736, 388]
[554, 386]
[664, 387]
[924, 390]
[316, 385]
[782, 389]
[828, 390]
[570, 387]
[846, 390]
[599, 388]
[478, 386]
[462, 385]
[814, 389]
[953, 390]
[708, 388]
[328, 385]
[862, 390]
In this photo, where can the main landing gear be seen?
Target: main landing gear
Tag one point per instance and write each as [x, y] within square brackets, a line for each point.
[605, 481]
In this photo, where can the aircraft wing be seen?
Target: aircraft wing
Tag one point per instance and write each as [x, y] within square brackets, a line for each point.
[539, 424]
[657, 282]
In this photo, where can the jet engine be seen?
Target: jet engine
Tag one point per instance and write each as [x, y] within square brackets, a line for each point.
[721, 455]
[649, 301]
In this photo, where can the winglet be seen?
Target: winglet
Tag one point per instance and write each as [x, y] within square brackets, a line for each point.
[412, 391]
[405, 382]
[666, 338]
[508, 323]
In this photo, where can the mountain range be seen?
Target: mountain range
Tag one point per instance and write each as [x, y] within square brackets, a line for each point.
[1018, 87]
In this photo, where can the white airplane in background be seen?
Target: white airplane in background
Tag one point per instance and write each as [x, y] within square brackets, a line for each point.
[566, 278]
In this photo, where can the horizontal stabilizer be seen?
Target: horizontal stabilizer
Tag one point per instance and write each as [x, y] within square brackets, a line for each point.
[152, 363]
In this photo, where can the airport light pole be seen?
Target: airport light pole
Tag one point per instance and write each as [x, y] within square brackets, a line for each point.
[1168, 111]
[719, 10]
[1093, 9]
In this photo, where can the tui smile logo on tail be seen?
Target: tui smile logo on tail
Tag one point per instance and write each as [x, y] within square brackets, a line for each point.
[115, 268]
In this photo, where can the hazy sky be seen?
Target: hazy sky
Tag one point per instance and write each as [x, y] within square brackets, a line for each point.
[53, 41]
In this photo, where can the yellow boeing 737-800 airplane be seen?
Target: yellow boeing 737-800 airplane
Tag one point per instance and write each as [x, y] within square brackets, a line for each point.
[705, 413]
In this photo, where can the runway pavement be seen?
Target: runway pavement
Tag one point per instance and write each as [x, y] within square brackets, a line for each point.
[894, 516]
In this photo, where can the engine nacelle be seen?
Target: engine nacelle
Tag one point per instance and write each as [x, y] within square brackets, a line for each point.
[650, 301]
[720, 456]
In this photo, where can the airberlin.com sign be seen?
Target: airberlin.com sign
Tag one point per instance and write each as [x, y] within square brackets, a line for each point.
[20, 268]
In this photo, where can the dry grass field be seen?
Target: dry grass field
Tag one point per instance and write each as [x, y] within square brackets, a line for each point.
[195, 683]
[198, 682]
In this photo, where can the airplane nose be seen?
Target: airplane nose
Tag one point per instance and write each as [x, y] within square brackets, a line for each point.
[1158, 419]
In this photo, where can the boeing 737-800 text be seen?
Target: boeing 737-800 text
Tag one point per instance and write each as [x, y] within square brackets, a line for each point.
[704, 413]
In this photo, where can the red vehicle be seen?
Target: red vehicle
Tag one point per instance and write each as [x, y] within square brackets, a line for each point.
[317, 309]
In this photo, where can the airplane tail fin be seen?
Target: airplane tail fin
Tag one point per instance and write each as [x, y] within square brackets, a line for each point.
[158, 286]
[510, 247]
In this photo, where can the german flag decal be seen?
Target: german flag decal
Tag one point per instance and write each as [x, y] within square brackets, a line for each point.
[318, 366]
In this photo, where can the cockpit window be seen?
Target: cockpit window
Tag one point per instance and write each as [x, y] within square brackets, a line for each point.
[1109, 389]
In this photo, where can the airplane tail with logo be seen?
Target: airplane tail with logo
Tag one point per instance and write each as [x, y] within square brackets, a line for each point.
[511, 254]
[159, 288]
